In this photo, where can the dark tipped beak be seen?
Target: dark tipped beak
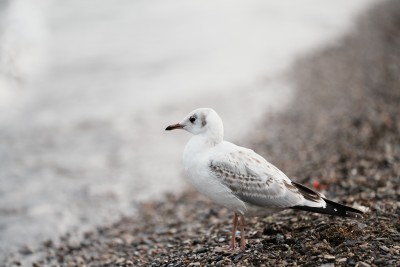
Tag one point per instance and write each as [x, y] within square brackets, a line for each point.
[174, 126]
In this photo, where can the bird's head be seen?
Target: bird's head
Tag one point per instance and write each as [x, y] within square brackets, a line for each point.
[201, 121]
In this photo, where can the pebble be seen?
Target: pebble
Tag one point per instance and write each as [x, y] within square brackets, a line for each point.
[329, 257]
[120, 261]
[26, 250]
[238, 256]
[200, 250]
[351, 261]
[362, 264]
[384, 248]
[220, 263]
[380, 261]
[280, 238]
[361, 226]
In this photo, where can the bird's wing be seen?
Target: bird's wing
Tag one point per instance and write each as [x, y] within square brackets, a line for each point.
[256, 181]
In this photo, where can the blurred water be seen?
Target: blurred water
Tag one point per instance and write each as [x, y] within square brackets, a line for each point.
[87, 88]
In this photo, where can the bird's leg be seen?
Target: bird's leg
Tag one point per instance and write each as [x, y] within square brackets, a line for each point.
[233, 239]
[232, 246]
[242, 240]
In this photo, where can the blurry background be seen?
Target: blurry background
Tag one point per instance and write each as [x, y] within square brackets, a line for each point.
[88, 87]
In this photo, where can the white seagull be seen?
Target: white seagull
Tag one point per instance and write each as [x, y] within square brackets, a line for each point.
[240, 179]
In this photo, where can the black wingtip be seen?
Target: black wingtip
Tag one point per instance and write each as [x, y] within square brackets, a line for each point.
[333, 208]
[348, 211]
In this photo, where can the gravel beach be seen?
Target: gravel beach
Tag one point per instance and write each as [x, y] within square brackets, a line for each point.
[341, 135]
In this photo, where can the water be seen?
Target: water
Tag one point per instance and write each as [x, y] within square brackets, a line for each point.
[87, 88]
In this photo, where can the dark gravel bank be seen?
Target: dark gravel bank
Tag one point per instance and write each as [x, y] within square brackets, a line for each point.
[341, 133]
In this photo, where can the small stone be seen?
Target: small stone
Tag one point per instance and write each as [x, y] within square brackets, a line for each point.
[221, 240]
[48, 243]
[384, 248]
[120, 261]
[329, 257]
[350, 243]
[380, 261]
[218, 258]
[280, 238]
[129, 263]
[351, 261]
[26, 250]
[362, 264]
[219, 263]
[269, 231]
[173, 231]
[238, 256]
[258, 246]
[200, 250]
[361, 225]
[80, 260]
[117, 241]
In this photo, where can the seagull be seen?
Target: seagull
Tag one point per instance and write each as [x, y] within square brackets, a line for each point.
[240, 179]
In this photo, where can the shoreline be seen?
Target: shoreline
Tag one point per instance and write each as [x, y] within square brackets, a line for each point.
[83, 141]
[341, 132]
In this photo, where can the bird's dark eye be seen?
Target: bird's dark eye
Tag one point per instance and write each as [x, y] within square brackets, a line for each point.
[192, 119]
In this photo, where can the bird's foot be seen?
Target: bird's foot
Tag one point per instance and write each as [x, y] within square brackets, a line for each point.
[228, 249]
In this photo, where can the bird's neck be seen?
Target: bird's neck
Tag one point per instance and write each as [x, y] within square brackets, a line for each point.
[206, 140]
[199, 143]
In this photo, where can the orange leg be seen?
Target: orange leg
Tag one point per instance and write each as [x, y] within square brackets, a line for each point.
[233, 239]
[242, 240]
[232, 246]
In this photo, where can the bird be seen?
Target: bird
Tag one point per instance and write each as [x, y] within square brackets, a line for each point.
[240, 179]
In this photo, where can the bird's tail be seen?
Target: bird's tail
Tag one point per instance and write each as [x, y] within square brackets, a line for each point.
[333, 208]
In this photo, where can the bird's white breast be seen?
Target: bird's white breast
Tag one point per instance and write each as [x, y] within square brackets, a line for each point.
[196, 161]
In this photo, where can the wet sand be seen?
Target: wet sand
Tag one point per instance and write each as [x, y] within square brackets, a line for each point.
[341, 135]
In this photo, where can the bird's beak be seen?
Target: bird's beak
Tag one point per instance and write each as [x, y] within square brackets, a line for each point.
[174, 126]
